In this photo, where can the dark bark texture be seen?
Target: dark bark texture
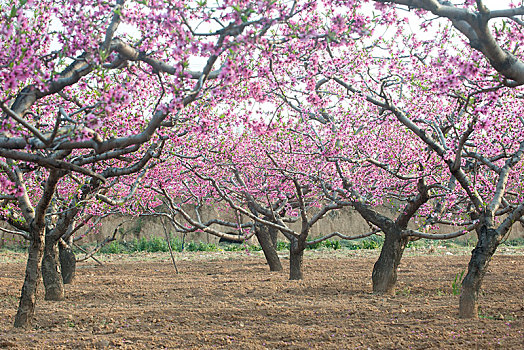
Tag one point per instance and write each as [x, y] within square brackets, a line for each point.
[488, 241]
[296, 258]
[384, 275]
[26, 308]
[265, 240]
[51, 274]
[67, 262]
[273, 234]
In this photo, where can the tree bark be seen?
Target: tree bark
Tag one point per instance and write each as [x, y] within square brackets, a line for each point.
[26, 307]
[296, 257]
[263, 235]
[67, 261]
[273, 234]
[385, 269]
[51, 274]
[488, 241]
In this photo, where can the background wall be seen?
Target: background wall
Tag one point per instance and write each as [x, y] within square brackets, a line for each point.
[346, 221]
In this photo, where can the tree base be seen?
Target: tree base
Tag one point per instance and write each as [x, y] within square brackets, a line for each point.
[67, 264]
[468, 307]
[296, 258]
[51, 274]
[54, 294]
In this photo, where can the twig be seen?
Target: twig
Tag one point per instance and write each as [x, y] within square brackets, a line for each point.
[338, 234]
[98, 247]
[85, 251]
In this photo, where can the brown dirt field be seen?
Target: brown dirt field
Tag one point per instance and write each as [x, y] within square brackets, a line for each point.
[231, 301]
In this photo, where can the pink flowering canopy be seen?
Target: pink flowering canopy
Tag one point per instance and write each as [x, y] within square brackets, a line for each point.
[87, 85]
[277, 104]
[352, 82]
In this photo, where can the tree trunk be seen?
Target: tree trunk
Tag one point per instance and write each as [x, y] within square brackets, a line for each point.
[488, 241]
[385, 269]
[67, 261]
[26, 307]
[264, 238]
[273, 234]
[54, 286]
[296, 257]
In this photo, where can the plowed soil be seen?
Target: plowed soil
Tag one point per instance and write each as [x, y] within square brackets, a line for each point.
[232, 301]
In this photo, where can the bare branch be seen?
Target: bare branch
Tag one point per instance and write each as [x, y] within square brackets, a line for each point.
[503, 178]
[475, 27]
[514, 216]
[49, 162]
[345, 237]
[107, 240]
[25, 235]
[437, 236]
[24, 123]
[110, 31]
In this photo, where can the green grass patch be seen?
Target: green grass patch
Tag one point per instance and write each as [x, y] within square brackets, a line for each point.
[14, 248]
[516, 242]
[327, 244]
[373, 242]
[365, 243]
[159, 244]
[281, 245]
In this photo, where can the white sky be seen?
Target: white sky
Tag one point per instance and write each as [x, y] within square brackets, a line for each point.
[197, 62]
[500, 4]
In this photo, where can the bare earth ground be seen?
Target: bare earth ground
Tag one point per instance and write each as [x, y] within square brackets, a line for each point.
[231, 301]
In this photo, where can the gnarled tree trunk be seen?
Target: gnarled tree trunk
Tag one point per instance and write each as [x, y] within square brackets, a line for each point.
[296, 257]
[488, 241]
[26, 307]
[264, 238]
[385, 269]
[51, 274]
[273, 234]
[67, 261]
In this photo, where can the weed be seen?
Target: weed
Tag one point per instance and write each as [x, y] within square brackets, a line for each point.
[114, 247]
[499, 317]
[456, 286]
[282, 245]
[515, 242]
[254, 248]
[9, 299]
[314, 246]
[19, 247]
[484, 316]
[333, 245]
[152, 245]
[369, 244]
[159, 244]
[350, 245]
[201, 247]
[406, 292]
[468, 242]
[325, 244]
[240, 247]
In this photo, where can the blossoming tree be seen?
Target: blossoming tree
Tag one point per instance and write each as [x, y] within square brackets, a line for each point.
[86, 87]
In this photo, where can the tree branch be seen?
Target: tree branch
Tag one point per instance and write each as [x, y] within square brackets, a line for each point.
[344, 237]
